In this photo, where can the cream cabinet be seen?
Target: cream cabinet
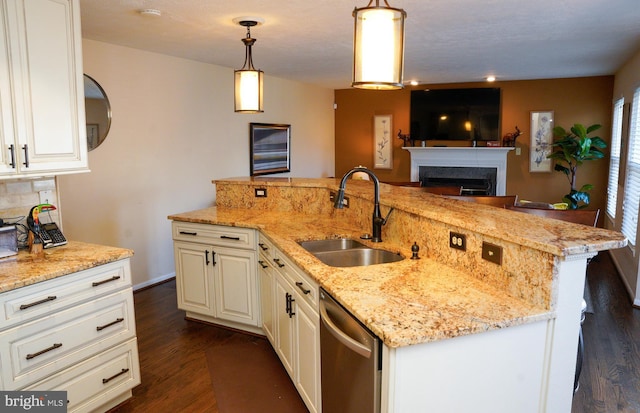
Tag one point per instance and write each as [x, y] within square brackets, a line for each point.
[74, 333]
[42, 130]
[216, 274]
[297, 328]
[266, 274]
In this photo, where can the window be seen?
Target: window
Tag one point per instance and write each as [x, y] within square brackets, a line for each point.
[614, 165]
[632, 182]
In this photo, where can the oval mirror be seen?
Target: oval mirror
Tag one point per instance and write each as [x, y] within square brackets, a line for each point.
[98, 112]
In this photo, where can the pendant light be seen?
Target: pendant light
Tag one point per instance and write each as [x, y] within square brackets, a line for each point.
[378, 47]
[248, 80]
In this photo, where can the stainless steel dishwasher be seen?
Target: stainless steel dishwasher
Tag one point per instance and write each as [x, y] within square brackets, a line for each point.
[350, 360]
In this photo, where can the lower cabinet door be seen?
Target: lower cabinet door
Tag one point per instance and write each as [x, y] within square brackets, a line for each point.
[307, 377]
[235, 285]
[285, 327]
[267, 285]
[96, 381]
[194, 277]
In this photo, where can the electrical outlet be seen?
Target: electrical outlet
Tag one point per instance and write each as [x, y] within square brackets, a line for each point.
[492, 253]
[261, 192]
[345, 200]
[458, 241]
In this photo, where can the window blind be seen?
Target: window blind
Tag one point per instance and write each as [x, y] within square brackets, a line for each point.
[632, 182]
[614, 165]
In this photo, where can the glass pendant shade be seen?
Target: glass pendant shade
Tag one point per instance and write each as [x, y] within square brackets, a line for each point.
[248, 81]
[248, 91]
[378, 47]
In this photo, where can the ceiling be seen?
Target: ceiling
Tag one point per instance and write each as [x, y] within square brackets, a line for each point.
[446, 41]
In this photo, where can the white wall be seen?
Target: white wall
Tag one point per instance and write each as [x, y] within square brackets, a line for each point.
[627, 80]
[173, 131]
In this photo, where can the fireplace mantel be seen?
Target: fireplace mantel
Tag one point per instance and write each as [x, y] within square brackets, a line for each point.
[495, 157]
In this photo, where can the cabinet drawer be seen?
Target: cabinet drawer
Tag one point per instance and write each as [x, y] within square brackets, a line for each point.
[44, 346]
[266, 248]
[306, 288]
[95, 381]
[219, 235]
[24, 304]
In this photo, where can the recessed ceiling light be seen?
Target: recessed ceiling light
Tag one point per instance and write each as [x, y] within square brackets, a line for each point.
[150, 12]
[491, 78]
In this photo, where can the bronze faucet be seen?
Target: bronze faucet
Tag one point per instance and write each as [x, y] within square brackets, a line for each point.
[377, 220]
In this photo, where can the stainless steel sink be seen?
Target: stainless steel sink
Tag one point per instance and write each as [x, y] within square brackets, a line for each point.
[324, 245]
[357, 257]
[348, 253]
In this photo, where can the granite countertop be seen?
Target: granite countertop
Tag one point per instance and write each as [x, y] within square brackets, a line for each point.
[404, 303]
[552, 236]
[26, 269]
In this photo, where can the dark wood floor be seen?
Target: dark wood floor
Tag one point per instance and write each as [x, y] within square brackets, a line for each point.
[610, 380]
[175, 377]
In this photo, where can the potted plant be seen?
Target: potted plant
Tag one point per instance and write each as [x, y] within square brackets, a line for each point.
[571, 149]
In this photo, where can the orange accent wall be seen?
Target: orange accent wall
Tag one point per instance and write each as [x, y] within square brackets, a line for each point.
[576, 100]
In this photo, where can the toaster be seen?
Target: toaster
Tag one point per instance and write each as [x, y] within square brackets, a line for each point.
[8, 241]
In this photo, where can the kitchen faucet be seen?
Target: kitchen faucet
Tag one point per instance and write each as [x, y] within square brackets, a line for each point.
[377, 220]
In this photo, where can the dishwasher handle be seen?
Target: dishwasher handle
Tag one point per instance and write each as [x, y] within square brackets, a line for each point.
[352, 344]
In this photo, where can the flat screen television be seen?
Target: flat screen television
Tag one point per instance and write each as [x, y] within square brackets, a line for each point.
[455, 114]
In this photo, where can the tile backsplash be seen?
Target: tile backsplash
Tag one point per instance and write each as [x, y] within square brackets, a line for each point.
[18, 196]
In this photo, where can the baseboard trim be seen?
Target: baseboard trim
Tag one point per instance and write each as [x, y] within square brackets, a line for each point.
[155, 281]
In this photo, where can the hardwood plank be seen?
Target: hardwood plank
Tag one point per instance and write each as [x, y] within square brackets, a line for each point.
[610, 379]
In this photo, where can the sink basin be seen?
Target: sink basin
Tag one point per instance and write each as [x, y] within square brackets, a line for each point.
[324, 245]
[356, 257]
[347, 252]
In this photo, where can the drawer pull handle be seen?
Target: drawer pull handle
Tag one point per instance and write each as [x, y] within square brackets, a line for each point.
[262, 264]
[44, 300]
[53, 347]
[277, 261]
[228, 237]
[188, 233]
[118, 320]
[300, 286]
[97, 283]
[262, 246]
[123, 371]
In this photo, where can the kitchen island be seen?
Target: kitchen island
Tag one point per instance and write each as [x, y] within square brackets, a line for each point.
[453, 324]
[67, 323]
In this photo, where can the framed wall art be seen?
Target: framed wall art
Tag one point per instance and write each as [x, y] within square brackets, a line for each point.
[270, 148]
[382, 143]
[541, 141]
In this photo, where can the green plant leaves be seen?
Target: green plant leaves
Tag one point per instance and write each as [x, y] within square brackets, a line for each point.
[571, 149]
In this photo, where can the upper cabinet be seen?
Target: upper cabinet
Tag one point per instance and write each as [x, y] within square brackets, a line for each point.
[42, 116]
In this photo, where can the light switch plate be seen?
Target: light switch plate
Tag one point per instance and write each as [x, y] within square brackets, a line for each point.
[492, 253]
[46, 197]
[261, 192]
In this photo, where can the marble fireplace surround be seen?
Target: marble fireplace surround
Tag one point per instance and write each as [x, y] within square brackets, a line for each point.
[464, 157]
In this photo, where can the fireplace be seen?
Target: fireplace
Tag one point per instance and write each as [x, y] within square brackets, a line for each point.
[474, 181]
[477, 169]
